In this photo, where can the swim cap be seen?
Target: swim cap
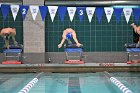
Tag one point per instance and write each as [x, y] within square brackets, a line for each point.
[69, 36]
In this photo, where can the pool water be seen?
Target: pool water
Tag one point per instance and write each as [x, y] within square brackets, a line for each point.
[69, 82]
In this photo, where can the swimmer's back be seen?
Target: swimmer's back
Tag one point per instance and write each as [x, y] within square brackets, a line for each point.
[8, 31]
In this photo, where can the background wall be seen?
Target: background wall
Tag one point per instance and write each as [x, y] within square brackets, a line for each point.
[34, 36]
[103, 42]
[95, 36]
[9, 22]
[30, 33]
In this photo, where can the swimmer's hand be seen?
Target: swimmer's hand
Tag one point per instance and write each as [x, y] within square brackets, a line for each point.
[60, 45]
[132, 24]
[8, 47]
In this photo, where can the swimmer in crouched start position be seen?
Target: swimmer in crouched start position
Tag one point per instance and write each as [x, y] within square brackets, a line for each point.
[68, 34]
[137, 31]
[8, 33]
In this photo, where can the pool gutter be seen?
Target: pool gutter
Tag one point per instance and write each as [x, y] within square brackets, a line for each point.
[88, 67]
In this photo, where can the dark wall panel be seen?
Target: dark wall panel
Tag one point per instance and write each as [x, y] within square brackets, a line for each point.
[94, 36]
[9, 22]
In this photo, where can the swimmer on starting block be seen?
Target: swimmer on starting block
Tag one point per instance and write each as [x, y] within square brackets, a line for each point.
[8, 33]
[137, 31]
[67, 35]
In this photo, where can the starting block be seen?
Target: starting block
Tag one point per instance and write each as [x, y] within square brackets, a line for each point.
[11, 62]
[73, 49]
[133, 62]
[133, 53]
[13, 52]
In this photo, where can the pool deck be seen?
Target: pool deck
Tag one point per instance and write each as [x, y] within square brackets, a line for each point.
[87, 67]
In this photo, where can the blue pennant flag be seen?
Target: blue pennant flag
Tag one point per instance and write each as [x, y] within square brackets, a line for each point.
[136, 13]
[5, 10]
[43, 11]
[117, 12]
[99, 12]
[81, 11]
[62, 11]
[23, 10]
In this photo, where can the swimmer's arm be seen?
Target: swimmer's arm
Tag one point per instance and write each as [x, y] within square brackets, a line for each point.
[62, 41]
[138, 30]
[2, 32]
[63, 38]
[74, 37]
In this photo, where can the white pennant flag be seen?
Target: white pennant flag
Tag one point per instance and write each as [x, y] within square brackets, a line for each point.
[71, 12]
[14, 10]
[52, 11]
[90, 12]
[127, 13]
[34, 10]
[108, 12]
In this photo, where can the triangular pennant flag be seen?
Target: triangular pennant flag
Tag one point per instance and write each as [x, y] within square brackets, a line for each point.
[90, 12]
[71, 12]
[99, 12]
[34, 10]
[136, 13]
[118, 12]
[43, 11]
[5, 10]
[127, 13]
[24, 10]
[52, 11]
[14, 10]
[62, 11]
[81, 11]
[108, 12]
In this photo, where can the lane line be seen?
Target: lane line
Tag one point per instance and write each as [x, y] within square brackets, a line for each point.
[116, 82]
[27, 88]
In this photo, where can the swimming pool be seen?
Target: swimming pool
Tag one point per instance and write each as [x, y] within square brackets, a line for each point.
[69, 82]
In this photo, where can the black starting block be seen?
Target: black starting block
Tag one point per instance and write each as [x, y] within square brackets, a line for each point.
[133, 53]
[13, 55]
[73, 49]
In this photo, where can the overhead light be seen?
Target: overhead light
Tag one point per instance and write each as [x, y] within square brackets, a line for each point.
[125, 6]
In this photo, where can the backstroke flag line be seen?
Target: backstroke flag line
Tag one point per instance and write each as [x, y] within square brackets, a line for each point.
[136, 13]
[90, 12]
[99, 13]
[52, 11]
[108, 12]
[14, 10]
[23, 10]
[5, 10]
[43, 11]
[118, 13]
[71, 12]
[34, 10]
[81, 12]
[63, 11]
[127, 13]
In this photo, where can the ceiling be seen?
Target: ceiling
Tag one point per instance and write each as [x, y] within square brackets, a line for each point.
[92, 2]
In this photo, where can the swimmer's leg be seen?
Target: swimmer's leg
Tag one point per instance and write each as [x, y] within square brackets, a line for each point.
[14, 40]
[6, 43]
